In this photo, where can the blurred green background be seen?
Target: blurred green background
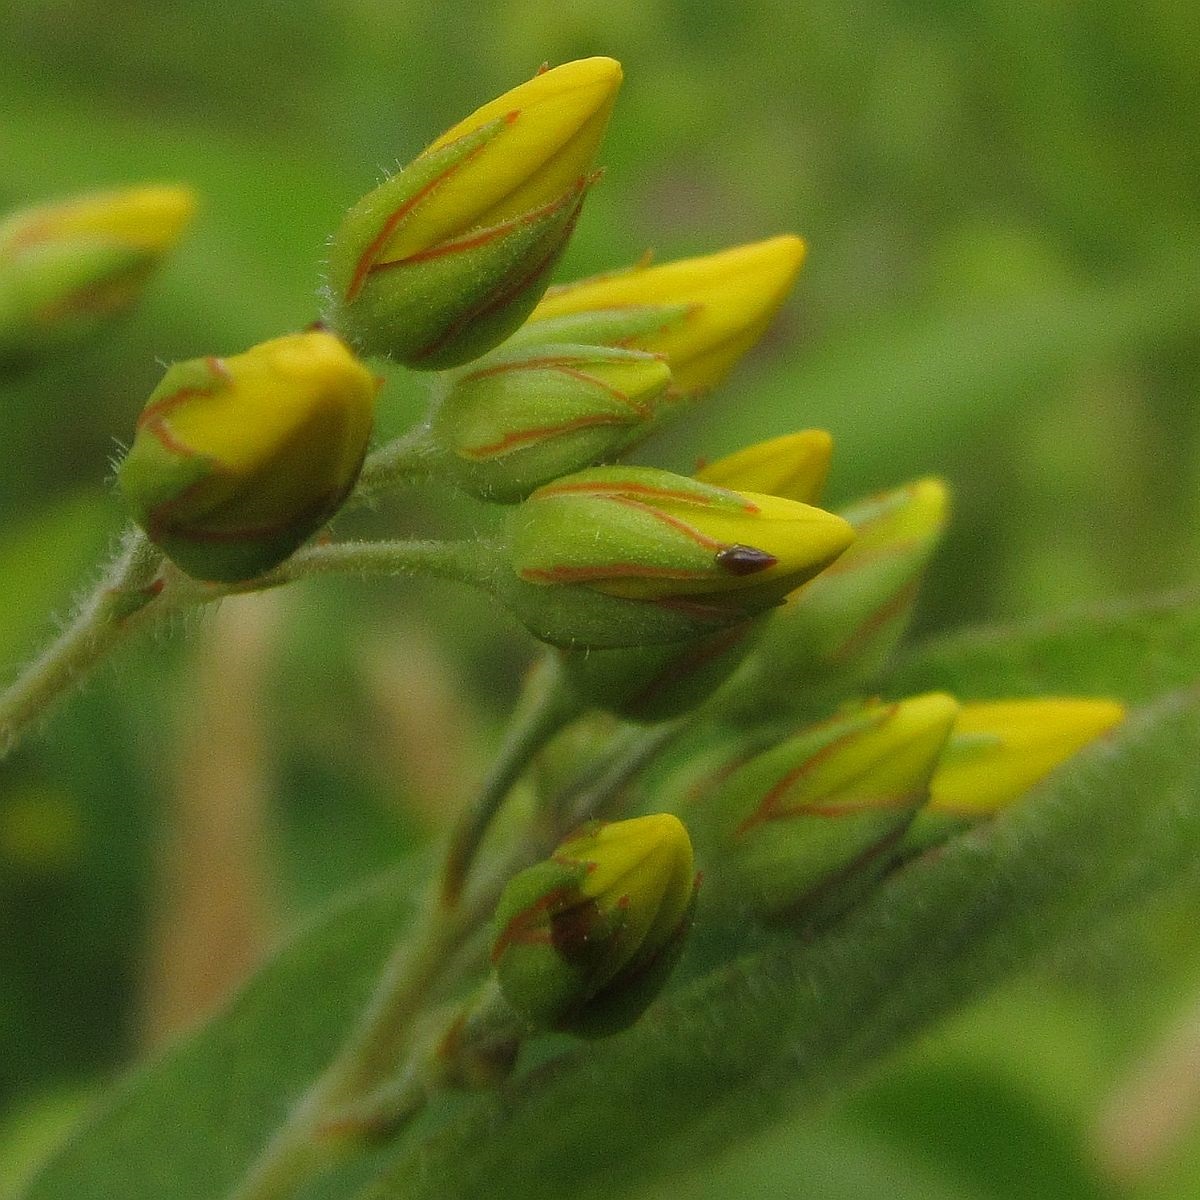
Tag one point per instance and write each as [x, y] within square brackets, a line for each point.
[1002, 202]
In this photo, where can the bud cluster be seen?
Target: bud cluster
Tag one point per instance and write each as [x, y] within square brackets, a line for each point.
[727, 594]
[798, 831]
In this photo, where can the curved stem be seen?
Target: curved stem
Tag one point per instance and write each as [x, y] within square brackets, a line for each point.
[128, 592]
[546, 707]
[467, 562]
[132, 592]
[447, 947]
[411, 457]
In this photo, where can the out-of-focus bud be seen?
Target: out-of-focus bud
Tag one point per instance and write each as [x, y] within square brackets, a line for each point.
[793, 466]
[627, 556]
[445, 259]
[586, 938]
[69, 267]
[525, 418]
[656, 683]
[801, 830]
[836, 634]
[702, 313]
[997, 752]
[238, 460]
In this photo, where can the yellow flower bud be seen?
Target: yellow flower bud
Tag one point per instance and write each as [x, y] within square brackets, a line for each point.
[238, 460]
[998, 751]
[445, 259]
[702, 313]
[833, 637]
[620, 556]
[586, 938]
[793, 466]
[655, 683]
[67, 267]
[801, 828]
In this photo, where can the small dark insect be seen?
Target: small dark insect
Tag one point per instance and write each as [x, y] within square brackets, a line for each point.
[744, 560]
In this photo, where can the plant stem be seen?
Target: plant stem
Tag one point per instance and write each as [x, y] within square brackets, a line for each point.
[126, 596]
[371, 1065]
[546, 706]
[132, 592]
[467, 562]
[410, 457]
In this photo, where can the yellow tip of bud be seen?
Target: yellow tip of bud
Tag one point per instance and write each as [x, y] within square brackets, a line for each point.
[238, 460]
[149, 219]
[793, 467]
[553, 126]
[727, 299]
[885, 761]
[644, 863]
[1000, 749]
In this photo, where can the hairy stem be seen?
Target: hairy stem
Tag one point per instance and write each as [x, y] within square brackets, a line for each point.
[375, 1067]
[546, 706]
[137, 588]
[127, 595]
[408, 458]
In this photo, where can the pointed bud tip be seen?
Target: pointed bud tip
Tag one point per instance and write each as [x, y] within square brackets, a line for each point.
[1001, 749]
[793, 466]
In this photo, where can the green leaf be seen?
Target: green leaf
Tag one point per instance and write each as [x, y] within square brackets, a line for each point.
[726, 1053]
[188, 1125]
[724, 1056]
[1133, 651]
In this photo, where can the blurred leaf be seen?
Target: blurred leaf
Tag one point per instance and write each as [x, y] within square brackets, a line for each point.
[188, 1125]
[903, 395]
[714, 1061]
[1132, 650]
[723, 1056]
[48, 554]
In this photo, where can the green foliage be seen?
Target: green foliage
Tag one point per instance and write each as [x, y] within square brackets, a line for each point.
[1001, 204]
[795, 1020]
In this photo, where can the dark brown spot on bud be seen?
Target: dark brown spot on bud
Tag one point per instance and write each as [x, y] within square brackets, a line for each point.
[573, 933]
[744, 560]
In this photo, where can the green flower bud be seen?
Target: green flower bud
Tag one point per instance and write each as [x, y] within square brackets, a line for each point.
[997, 751]
[632, 556]
[836, 634]
[238, 460]
[586, 938]
[800, 830]
[656, 683]
[66, 269]
[445, 259]
[525, 418]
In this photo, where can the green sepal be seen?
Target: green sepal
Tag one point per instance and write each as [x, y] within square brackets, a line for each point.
[657, 683]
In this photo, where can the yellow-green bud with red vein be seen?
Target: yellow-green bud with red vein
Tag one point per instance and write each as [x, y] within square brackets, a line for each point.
[835, 635]
[69, 267]
[586, 938]
[800, 830]
[239, 460]
[628, 556]
[445, 259]
[520, 419]
[656, 683]
[702, 313]
[997, 751]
